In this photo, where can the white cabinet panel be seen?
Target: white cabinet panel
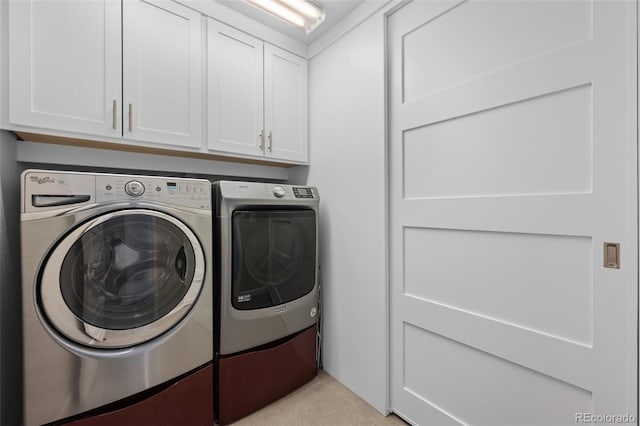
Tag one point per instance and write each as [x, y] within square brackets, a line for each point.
[235, 64]
[257, 97]
[65, 65]
[130, 69]
[285, 105]
[162, 73]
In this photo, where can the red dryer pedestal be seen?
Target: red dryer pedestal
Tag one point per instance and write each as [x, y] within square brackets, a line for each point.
[251, 380]
[186, 401]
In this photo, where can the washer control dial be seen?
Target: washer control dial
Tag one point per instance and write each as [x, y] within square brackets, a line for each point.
[134, 188]
[278, 191]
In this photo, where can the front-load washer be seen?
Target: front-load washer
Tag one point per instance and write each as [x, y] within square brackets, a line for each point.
[266, 286]
[117, 293]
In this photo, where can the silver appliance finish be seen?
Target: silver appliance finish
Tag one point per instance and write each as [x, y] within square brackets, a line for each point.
[247, 329]
[71, 367]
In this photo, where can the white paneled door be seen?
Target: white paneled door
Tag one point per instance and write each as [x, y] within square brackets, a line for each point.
[513, 160]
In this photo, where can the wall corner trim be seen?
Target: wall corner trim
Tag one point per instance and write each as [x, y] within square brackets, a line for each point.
[348, 23]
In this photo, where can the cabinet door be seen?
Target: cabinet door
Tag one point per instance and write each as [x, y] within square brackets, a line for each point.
[65, 66]
[162, 73]
[235, 98]
[285, 105]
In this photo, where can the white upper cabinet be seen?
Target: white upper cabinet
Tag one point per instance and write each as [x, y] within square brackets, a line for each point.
[129, 70]
[257, 97]
[65, 65]
[162, 73]
[235, 90]
[133, 72]
[285, 100]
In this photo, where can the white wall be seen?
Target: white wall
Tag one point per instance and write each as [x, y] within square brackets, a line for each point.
[348, 165]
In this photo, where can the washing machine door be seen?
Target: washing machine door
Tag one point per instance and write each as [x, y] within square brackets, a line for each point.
[274, 257]
[121, 279]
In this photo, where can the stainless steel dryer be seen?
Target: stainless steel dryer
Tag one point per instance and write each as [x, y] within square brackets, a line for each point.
[117, 287]
[267, 277]
[266, 293]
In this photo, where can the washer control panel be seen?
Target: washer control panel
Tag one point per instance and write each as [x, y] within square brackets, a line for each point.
[194, 193]
[50, 190]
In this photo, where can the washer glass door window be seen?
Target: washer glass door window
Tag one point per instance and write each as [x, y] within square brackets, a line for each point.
[126, 277]
[274, 257]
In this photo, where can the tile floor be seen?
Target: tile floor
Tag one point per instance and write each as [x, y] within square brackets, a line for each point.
[323, 401]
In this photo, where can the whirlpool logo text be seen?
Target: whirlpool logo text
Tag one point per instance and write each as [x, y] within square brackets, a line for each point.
[41, 180]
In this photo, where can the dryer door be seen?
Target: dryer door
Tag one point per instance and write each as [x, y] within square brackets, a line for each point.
[122, 278]
[274, 257]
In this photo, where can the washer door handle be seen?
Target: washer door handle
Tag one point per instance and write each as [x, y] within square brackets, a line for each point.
[43, 200]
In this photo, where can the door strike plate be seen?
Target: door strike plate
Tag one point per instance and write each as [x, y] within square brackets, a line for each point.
[612, 255]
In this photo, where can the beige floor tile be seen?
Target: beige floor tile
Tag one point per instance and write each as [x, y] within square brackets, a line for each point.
[323, 401]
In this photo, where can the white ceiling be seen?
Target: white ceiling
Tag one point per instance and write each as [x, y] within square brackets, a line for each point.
[335, 10]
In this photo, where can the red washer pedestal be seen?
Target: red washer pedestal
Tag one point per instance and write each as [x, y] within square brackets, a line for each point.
[188, 401]
[251, 380]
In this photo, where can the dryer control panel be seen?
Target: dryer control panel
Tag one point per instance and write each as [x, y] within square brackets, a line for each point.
[303, 192]
[268, 192]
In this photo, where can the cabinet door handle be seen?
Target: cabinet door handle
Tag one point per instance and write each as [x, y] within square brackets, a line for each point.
[261, 146]
[270, 140]
[130, 118]
[115, 114]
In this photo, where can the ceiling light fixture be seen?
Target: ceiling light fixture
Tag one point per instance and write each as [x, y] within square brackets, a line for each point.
[300, 13]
